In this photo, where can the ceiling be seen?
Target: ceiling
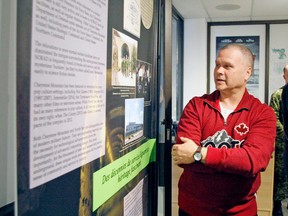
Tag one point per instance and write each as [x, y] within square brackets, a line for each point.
[233, 10]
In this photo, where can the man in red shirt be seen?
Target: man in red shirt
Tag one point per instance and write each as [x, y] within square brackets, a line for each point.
[224, 140]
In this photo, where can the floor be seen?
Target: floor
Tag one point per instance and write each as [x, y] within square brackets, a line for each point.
[284, 208]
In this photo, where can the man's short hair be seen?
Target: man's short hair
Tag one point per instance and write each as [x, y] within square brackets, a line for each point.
[246, 52]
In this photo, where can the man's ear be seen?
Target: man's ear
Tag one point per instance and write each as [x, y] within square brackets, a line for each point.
[248, 73]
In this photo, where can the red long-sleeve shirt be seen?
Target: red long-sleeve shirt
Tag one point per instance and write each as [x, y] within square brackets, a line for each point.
[238, 150]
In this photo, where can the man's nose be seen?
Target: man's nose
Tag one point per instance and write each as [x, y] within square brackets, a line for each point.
[219, 70]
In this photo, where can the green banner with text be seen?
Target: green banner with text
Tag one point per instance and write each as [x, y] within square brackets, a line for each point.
[111, 178]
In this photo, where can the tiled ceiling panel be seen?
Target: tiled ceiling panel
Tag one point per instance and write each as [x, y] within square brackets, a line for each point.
[233, 10]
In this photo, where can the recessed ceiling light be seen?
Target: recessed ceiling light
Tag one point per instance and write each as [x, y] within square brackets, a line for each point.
[227, 7]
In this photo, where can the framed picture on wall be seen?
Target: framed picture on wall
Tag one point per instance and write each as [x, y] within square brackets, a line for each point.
[278, 56]
[253, 36]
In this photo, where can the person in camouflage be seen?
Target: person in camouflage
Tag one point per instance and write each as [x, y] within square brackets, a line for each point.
[280, 183]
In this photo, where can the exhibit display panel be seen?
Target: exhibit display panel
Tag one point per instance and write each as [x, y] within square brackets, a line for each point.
[86, 104]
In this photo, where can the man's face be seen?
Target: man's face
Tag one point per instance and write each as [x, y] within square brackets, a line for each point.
[231, 70]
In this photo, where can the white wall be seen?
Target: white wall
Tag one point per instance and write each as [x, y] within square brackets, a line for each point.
[7, 101]
[195, 58]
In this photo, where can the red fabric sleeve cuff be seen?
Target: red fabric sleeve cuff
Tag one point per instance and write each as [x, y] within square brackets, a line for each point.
[213, 156]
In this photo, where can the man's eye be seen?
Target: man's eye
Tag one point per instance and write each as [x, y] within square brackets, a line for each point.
[227, 66]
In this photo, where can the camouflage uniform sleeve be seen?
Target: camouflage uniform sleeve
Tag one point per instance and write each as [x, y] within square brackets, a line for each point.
[275, 103]
[280, 183]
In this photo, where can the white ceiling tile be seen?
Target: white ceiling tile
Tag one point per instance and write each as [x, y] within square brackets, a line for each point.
[190, 8]
[249, 10]
[275, 8]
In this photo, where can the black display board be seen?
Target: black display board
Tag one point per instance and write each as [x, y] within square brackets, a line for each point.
[86, 136]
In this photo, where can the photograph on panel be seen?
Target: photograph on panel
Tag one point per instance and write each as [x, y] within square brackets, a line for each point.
[124, 59]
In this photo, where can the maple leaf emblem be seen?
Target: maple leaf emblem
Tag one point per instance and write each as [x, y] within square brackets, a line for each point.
[241, 129]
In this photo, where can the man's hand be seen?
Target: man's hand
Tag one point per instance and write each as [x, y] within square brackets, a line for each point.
[183, 153]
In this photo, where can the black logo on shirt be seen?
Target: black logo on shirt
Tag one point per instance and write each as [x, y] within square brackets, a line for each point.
[222, 140]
